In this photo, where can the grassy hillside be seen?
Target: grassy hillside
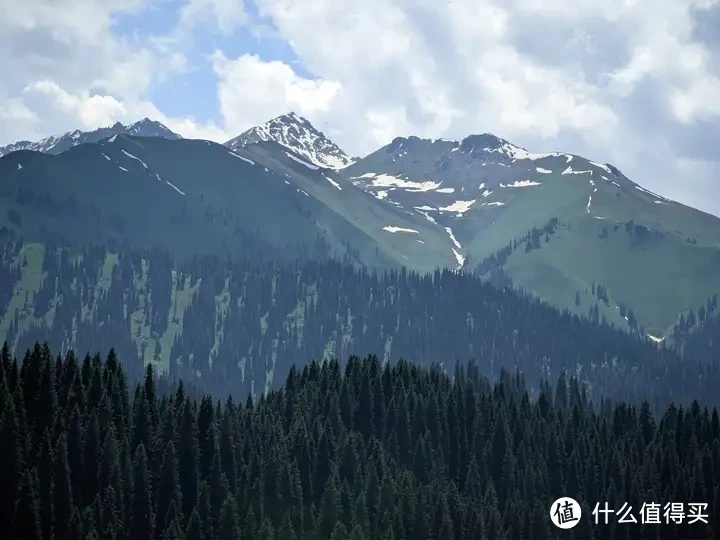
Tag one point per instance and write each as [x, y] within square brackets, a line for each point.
[187, 197]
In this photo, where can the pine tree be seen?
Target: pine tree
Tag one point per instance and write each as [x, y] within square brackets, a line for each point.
[75, 452]
[46, 485]
[194, 528]
[188, 460]
[91, 459]
[286, 532]
[11, 462]
[27, 517]
[63, 496]
[228, 525]
[143, 516]
[168, 492]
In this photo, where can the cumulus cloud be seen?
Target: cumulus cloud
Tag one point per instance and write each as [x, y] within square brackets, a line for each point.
[72, 68]
[631, 83]
[251, 91]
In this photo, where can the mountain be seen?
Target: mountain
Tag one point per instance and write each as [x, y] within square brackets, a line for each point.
[555, 224]
[57, 144]
[300, 136]
[192, 197]
[577, 233]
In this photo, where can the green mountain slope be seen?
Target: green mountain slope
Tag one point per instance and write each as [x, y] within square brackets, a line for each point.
[480, 204]
[652, 255]
[188, 197]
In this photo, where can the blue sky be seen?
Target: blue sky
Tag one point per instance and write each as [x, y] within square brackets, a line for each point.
[634, 84]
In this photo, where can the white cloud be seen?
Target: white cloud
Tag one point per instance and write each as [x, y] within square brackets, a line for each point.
[251, 91]
[225, 15]
[612, 80]
[70, 68]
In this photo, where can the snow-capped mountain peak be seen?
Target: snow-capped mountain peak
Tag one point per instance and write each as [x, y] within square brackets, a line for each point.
[296, 133]
[56, 144]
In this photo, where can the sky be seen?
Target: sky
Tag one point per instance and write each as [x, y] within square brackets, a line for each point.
[635, 83]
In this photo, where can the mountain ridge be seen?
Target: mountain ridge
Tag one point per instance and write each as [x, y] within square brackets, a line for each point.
[421, 203]
[56, 144]
[300, 136]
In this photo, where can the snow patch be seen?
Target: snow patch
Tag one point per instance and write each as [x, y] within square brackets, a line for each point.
[302, 162]
[568, 158]
[460, 259]
[486, 193]
[458, 206]
[615, 183]
[521, 183]
[425, 207]
[333, 182]
[650, 192]
[600, 166]
[452, 237]
[385, 180]
[588, 204]
[446, 190]
[419, 241]
[128, 154]
[428, 216]
[515, 152]
[495, 204]
[381, 195]
[246, 160]
[181, 192]
[19, 167]
[655, 339]
[392, 229]
[569, 170]
[303, 192]
[106, 157]
[112, 139]
[543, 171]
[123, 169]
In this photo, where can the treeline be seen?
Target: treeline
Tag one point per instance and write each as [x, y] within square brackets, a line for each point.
[233, 328]
[369, 452]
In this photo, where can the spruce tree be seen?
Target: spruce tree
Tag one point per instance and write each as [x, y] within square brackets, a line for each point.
[11, 462]
[63, 504]
[228, 527]
[143, 516]
[194, 529]
[168, 492]
[188, 459]
[27, 523]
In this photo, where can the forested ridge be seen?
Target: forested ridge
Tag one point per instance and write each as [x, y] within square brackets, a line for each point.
[239, 327]
[369, 451]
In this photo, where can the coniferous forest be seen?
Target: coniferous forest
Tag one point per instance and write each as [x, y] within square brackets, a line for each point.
[367, 450]
[238, 327]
